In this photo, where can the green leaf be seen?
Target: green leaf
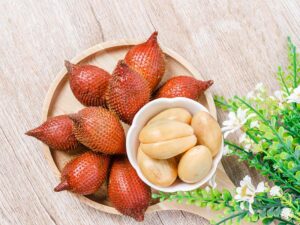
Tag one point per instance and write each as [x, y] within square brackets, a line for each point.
[267, 221]
[284, 155]
[210, 204]
[277, 212]
[270, 212]
[273, 122]
[282, 223]
[226, 196]
[289, 141]
[297, 175]
[227, 211]
[269, 135]
[263, 213]
[291, 165]
[297, 152]
[254, 217]
[180, 200]
[155, 196]
[201, 204]
[281, 131]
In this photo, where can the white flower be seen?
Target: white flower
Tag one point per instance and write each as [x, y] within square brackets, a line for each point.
[207, 188]
[295, 96]
[275, 191]
[235, 121]
[250, 95]
[247, 142]
[279, 96]
[259, 87]
[286, 213]
[242, 138]
[254, 124]
[246, 192]
[226, 150]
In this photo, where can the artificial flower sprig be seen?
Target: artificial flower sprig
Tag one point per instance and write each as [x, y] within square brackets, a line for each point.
[268, 126]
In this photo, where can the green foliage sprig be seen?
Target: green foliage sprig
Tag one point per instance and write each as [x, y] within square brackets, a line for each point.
[269, 142]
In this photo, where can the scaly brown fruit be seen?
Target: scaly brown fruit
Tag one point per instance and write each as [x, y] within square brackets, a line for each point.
[100, 130]
[126, 191]
[127, 92]
[148, 60]
[88, 83]
[84, 174]
[57, 133]
[183, 86]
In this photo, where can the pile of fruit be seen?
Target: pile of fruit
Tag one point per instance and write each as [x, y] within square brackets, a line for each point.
[168, 146]
[110, 99]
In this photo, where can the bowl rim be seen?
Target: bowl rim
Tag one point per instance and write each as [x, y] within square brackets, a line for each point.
[131, 134]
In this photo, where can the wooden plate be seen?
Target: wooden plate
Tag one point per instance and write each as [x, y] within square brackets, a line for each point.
[60, 100]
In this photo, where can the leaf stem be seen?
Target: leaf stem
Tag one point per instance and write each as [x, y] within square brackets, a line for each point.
[268, 124]
[231, 217]
[282, 81]
[294, 54]
[224, 104]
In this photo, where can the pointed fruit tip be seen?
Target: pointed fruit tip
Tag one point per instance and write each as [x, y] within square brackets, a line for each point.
[122, 63]
[33, 132]
[74, 117]
[69, 66]
[139, 217]
[153, 37]
[209, 83]
[62, 186]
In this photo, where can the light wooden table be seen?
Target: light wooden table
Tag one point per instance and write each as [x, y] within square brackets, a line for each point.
[235, 43]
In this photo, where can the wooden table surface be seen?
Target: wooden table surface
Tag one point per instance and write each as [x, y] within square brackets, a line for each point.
[235, 43]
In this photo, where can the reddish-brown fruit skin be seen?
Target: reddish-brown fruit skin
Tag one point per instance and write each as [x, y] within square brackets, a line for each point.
[84, 174]
[126, 190]
[183, 86]
[88, 83]
[100, 130]
[148, 60]
[127, 92]
[57, 133]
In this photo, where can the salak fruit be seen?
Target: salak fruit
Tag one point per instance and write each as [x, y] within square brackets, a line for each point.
[84, 174]
[88, 83]
[57, 133]
[126, 190]
[100, 130]
[183, 86]
[127, 92]
[148, 60]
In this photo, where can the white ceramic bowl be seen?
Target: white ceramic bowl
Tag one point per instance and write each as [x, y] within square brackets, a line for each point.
[142, 117]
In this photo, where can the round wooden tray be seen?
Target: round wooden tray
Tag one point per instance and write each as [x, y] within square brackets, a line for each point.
[60, 100]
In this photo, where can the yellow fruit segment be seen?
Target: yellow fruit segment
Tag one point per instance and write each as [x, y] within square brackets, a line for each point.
[208, 131]
[178, 114]
[163, 130]
[169, 148]
[195, 164]
[161, 172]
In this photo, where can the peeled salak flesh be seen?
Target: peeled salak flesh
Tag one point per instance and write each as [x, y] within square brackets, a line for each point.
[126, 191]
[88, 83]
[148, 60]
[127, 92]
[84, 174]
[183, 86]
[57, 133]
[100, 130]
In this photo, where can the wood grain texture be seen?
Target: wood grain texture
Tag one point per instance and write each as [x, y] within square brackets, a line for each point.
[236, 43]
